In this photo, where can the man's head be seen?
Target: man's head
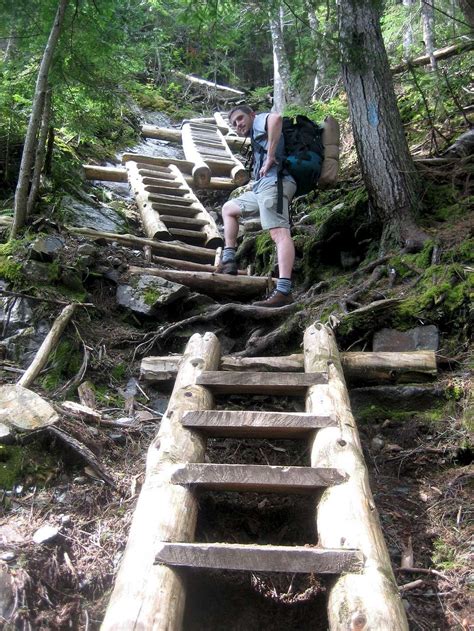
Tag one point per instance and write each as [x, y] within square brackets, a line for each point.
[241, 119]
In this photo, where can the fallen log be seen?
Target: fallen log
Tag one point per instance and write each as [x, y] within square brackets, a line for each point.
[407, 367]
[49, 343]
[231, 92]
[346, 514]
[210, 283]
[441, 53]
[236, 143]
[148, 596]
[165, 248]
[109, 174]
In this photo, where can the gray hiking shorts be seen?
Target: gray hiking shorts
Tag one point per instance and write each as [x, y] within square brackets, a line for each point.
[265, 200]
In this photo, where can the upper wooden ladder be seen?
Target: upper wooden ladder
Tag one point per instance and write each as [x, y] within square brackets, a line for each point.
[150, 593]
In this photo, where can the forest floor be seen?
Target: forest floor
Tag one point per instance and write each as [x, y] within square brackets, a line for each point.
[419, 463]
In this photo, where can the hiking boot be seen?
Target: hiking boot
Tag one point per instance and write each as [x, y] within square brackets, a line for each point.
[229, 267]
[275, 299]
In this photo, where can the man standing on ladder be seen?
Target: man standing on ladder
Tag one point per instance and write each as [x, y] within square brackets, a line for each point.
[271, 195]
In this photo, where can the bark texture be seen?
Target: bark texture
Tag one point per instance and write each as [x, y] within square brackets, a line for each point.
[428, 24]
[281, 65]
[385, 161]
[29, 149]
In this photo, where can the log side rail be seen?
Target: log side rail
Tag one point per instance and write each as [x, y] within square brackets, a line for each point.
[176, 135]
[204, 145]
[145, 595]
[346, 515]
[358, 367]
[168, 204]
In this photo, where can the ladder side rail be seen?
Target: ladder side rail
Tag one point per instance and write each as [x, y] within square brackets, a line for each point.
[346, 513]
[148, 596]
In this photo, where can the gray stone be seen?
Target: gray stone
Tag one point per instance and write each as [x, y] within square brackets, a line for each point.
[388, 398]
[23, 345]
[45, 534]
[147, 293]
[96, 216]
[87, 249]
[15, 312]
[44, 248]
[421, 338]
[7, 594]
[40, 273]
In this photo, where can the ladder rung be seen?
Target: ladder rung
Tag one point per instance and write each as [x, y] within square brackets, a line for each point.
[260, 382]
[166, 190]
[288, 559]
[195, 235]
[173, 209]
[257, 478]
[177, 222]
[242, 424]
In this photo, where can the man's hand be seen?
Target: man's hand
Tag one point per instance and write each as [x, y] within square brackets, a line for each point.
[267, 165]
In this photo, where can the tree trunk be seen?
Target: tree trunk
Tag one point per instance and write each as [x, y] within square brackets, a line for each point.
[428, 24]
[40, 153]
[408, 30]
[467, 7]
[21, 193]
[281, 65]
[387, 167]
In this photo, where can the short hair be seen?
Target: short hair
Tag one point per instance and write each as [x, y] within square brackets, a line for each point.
[246, 109]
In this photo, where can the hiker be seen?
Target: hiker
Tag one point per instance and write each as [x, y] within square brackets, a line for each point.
[268, 147]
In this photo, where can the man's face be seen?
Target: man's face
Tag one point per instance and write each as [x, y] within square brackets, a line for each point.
[242, 122]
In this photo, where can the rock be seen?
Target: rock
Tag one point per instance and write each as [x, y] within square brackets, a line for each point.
[23, 346]
[15, 312]
[9, 535]
[40, 273]
[377, 443]
[7, 598]
[45, 534]
[383, 399]
[97, 217]
[8, 556]
[421, 338]
[147, 293]
[87, 249]
[45, 248]
[24, 410]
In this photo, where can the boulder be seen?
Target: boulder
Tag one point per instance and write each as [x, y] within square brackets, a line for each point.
[23, 410]
[97, 217]
[147, 293]
[45, 247]
[421, 338]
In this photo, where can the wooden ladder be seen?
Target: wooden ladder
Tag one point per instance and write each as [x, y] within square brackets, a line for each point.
[150, 592]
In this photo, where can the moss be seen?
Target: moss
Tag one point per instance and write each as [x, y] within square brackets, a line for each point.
[65, 363]
[10, 270]
[442, 202]
[28, 464]
[151, 295]
[118, 371]
[264, 253]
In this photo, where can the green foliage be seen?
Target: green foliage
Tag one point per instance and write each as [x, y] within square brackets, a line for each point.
[64, 363]
[444, 556]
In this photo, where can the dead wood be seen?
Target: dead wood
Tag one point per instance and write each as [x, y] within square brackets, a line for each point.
[49, 343]
[442, 53]
[84, 452]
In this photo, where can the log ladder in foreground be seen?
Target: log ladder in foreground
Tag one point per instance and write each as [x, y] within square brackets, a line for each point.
[149, 592]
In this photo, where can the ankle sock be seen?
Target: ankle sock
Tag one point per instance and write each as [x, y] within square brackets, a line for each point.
[228, 255]
[284, 285]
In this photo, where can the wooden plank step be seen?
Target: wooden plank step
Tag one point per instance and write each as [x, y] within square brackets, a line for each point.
[287, 559]
[175, 210]
[161, 182]
[256, 478]
[166, 190]
[170, 199]
[192, 235]
[186, 222]
[260, 382]
[246, 424]
[154, 168]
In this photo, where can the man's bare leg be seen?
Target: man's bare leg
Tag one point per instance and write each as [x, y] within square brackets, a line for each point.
[285, 251]
[230, 215]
